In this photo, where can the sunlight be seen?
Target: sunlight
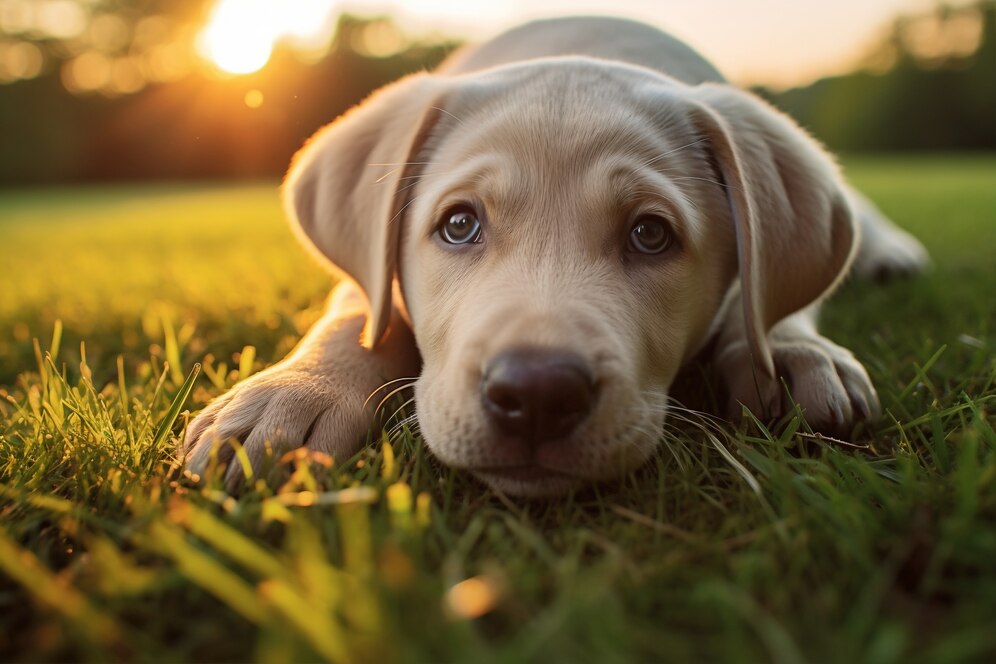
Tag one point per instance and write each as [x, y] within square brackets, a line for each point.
[240, 34]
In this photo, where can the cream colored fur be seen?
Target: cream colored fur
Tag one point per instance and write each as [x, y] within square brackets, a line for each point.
[561, 132]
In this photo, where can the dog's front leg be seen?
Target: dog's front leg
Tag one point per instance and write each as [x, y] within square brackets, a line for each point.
[824, 379]
[318, 396]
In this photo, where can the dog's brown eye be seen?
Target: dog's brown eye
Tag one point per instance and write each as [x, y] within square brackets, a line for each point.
[461, 226]
[650, 235]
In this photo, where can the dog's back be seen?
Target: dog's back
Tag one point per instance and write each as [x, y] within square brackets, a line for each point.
[614, 39]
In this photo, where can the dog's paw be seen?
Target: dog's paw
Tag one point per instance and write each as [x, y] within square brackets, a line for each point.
[281, 408]
[830, 386]
[888, 252]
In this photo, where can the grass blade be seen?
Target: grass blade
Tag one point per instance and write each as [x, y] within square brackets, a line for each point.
[174, 409]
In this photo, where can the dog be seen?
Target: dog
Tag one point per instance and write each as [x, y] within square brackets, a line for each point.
[540, 234]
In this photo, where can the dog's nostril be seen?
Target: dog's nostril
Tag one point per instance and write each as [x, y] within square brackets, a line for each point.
[537, 394]
[504, 400]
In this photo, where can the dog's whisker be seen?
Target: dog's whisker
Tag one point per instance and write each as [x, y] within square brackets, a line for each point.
[400, 408]
[710, 429]
[708, 426]
[407, 379]
[671, 446]
[697, 419]
[443, 110]
[698, 424]
[396, 380]
[642, 429]
[677, 405]
[410, 185]
[408, 421]
[418, 179]
[386, 175]
[424, 174]
[672, 151]
[411, 422]
[390, 394]
[403, 208]
[689, 177]
[403, 163]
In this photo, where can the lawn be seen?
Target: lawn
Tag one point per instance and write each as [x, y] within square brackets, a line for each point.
[735, 543]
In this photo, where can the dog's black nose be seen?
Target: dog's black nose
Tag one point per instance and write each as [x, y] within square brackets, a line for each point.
[537, 394]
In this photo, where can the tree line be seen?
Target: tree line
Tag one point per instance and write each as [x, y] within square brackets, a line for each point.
[929, 85]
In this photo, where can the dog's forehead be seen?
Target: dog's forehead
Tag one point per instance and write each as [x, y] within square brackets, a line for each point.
[577, 106]
[556, 79]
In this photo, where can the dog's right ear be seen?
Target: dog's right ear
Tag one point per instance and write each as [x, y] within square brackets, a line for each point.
[794, 226]
[345, 191]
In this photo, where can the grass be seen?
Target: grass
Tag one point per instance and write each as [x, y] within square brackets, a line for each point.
[880, 553]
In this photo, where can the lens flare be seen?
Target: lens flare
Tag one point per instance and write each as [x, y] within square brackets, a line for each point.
[240, 34]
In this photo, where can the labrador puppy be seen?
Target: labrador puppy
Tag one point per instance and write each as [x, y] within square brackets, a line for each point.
[540, 234]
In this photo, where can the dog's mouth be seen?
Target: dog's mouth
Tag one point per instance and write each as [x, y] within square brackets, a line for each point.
[524, 472]
[528, 480]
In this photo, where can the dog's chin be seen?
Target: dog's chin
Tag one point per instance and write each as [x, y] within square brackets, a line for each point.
[529, 481]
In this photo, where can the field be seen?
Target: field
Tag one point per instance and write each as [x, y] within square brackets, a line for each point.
[736, 543]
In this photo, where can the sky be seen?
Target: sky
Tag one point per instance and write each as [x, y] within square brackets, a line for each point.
[780, 43]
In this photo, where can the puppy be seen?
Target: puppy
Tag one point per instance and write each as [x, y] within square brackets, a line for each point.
[541, 234]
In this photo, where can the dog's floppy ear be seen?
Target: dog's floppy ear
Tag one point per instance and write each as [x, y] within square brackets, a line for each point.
[345, 189]
[794, 227]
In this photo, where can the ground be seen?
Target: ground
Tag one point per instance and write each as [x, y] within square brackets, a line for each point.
[736, 543]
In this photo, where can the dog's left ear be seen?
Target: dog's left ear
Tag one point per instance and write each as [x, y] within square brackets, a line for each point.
[795, 229]
[347, 188]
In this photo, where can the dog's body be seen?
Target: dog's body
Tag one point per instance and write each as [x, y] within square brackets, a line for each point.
[545, 230]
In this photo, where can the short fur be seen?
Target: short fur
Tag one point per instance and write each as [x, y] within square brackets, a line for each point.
[562, 132]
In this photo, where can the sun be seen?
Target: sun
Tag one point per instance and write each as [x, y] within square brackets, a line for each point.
[240, 34]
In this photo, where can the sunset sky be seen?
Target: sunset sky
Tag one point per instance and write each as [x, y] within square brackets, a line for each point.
[779, 42]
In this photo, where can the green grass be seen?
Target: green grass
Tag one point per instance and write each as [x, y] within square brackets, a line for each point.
[883, 553]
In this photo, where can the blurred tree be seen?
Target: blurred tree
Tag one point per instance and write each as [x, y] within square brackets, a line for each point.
[929, 85]
[112, 89]
[72, 122]
[111, 46]
[64, 61]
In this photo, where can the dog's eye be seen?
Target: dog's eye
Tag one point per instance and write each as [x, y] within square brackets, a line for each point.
[460, 226]
[650, 235]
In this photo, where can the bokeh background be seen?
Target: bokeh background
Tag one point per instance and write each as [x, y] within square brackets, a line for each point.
[142, 237]
[103, 90]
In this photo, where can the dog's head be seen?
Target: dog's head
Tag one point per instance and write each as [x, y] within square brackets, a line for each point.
[566, 233]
